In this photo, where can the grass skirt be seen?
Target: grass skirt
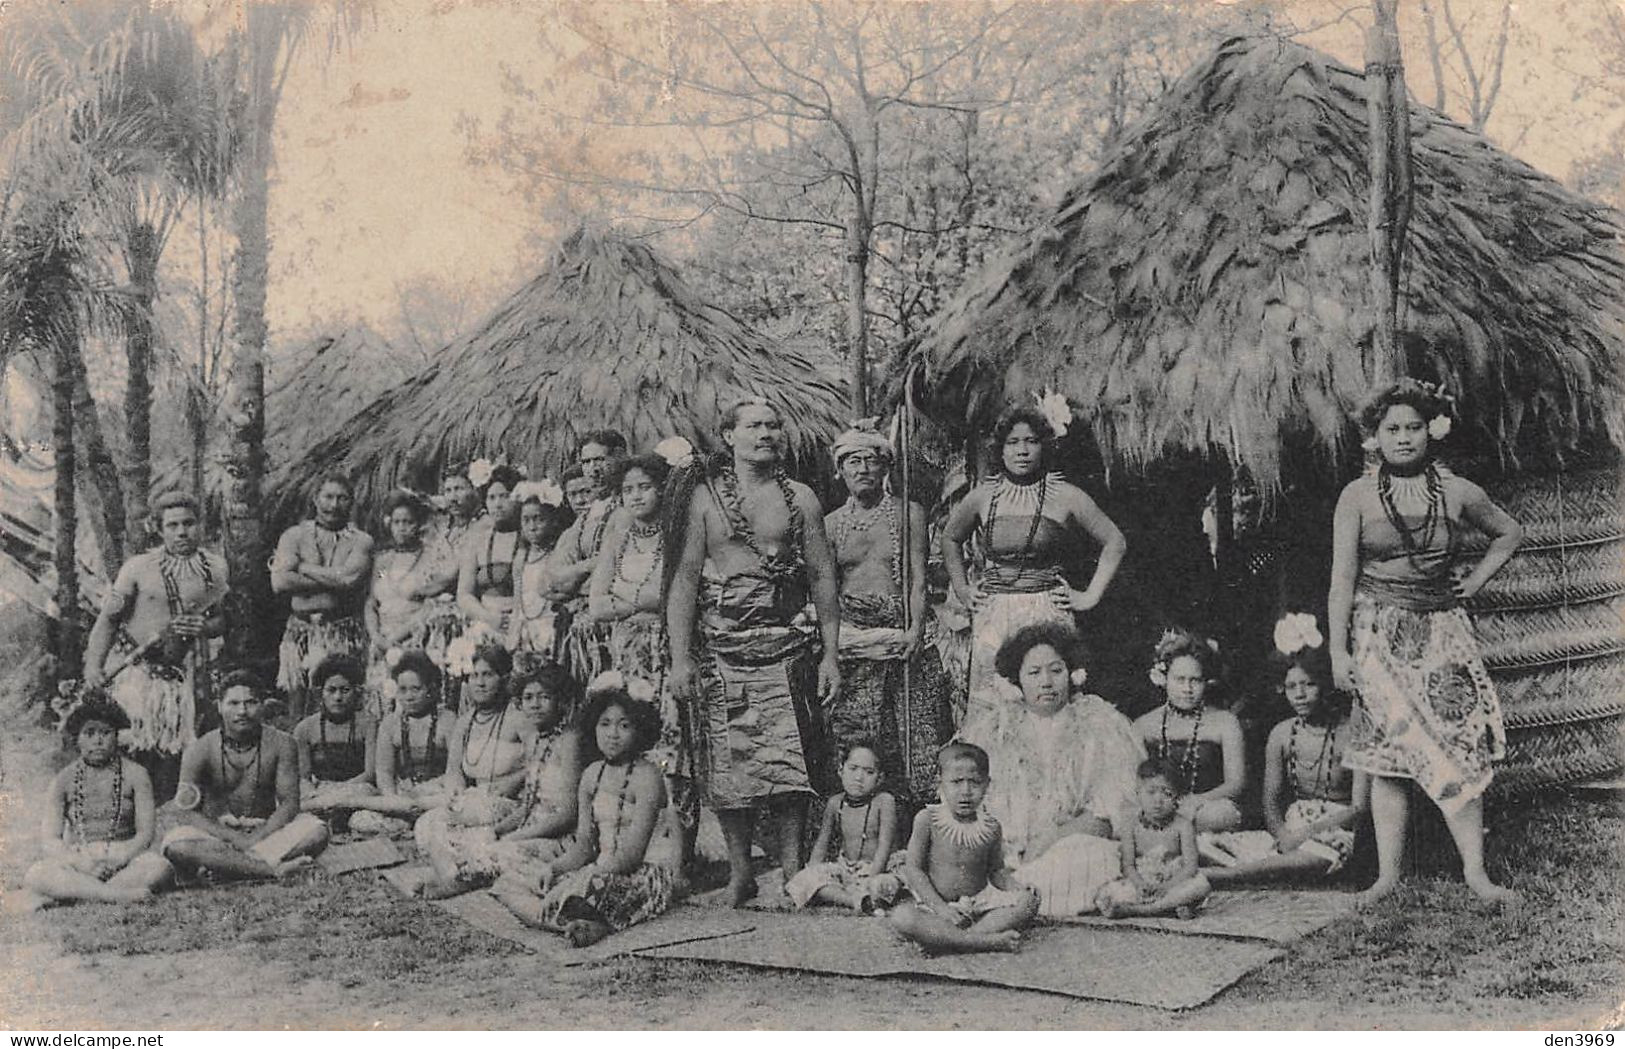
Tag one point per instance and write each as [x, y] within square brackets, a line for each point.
[159, 701]
[1427, 709]
[305, 643]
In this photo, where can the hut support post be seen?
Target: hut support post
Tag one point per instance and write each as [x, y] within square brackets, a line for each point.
[1388, 112]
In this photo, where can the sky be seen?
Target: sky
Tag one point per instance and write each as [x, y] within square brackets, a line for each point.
[374, 194]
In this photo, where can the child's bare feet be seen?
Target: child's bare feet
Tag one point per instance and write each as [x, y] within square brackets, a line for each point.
[288, 868]
[1009, 940]
[584, 933]
[1378, 891]
[741, 892]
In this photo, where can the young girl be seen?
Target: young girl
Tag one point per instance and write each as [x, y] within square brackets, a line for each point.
[608, 880]
[402, 583]
[533, 629]
[538, 829]
[485, 766]
[1311, 801]
[1159, 853]
[98, 821]
[410, 755]
[866, 820]
[336, 744]
[1203, 745]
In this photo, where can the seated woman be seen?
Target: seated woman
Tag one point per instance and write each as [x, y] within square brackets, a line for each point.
[1067, 761]
[403, 584]
[485, 767]
[1204, 744]
[410, 755]
[538, 829]
[610, 878]
[1311, 801]
[98, 821]
[336, 743]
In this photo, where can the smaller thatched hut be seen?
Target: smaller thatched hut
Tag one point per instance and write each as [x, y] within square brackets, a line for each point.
[607, 335]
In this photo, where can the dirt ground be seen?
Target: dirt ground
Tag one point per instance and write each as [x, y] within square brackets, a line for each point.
[72, 970]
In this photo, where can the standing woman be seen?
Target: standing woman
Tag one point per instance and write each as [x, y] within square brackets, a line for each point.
[485, 578]
[397, 604]
[624, 597]
[1020, 520]
[534, 628]
[1400, 638]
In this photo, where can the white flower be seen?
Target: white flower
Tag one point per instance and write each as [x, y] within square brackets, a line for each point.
[1159, 674]
[1370, 444]
[1439, 427]
[439, 503]
[1080, 677]
[393, 656]
[640, 689]
[479, 472]
[544, 491]
[675, 450]
[1056, 410]
[1297, 631]
[609, 680]
[460, 655]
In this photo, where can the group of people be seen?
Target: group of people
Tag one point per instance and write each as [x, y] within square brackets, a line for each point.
[548, 696]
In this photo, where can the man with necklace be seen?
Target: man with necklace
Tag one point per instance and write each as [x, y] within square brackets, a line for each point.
[745, 546]
[600, 455]
[893, 690]
[236, 815]
[323, 565]
[149, 648]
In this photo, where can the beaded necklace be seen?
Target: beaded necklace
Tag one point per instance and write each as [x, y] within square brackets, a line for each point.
[228, 766]
[321, 728]
[415, 769]
[868, 806]
[1322, 767]
[620, 804]
[519, 586]
[1150, 824]
[76, 803]
[847, 522]
[491, 739]
[538, 762]
[786, 562]
[1032, 531]
[655, 563]
[1419, 539]
[1188, 760]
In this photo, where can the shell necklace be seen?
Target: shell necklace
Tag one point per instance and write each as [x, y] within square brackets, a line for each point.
[972, 834]
[76, 803]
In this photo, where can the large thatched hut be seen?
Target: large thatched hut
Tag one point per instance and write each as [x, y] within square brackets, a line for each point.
[607, 335]
[1202, 297]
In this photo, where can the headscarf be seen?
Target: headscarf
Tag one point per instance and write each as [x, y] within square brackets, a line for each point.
[864, 434]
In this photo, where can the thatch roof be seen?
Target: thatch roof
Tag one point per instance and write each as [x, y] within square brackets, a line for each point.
[321, 384]
[1207, 285]
[607, 336]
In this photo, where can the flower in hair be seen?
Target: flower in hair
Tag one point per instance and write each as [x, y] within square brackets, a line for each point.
[675, 450]
[608, 681]
[1370, 444]
[1080, 677]
[1297, 631]
[1055, 410]
[1159, 673]
[544, 491]
[1439, 427]
[479, 472]
[392, 656]
[641, 689]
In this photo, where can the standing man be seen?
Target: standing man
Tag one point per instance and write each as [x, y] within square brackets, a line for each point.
[600, 455]
[893, 690]
[744, 549]
[149, 648]
[323, 565]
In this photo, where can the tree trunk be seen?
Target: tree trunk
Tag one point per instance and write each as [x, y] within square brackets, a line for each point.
[245, 381]
[98, 459]
[68, 635]
[143, 261]
[857, 307]
[1388, 114]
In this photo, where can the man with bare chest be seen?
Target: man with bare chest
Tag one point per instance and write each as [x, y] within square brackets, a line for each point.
[747, 551]
[323, 565]
[569, 567]
[236, 815]
[149, 648]
[893, 690]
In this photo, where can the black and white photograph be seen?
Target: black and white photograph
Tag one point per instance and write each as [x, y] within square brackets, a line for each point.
[865, 515]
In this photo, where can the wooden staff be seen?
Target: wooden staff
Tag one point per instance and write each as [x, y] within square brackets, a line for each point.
[905, 420]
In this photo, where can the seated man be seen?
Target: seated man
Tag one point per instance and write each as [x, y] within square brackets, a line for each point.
[98, 821]
[236, 813]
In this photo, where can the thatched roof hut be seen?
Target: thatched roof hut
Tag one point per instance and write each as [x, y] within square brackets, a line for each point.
[1207, 286]
[606, 335]
[324, 382]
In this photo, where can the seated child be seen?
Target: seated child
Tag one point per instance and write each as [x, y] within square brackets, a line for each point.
[538, 829]
[964, 899]
[1310, 800]
[236, 813]
[410, 755]
[866, 820]
[98, 821]
[608, 879]
[1159, 853]
[336, 744]
[1203, 744]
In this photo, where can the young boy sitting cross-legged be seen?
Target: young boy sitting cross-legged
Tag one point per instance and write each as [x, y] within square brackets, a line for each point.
[98, 821]
[964, 898]
[236, 813]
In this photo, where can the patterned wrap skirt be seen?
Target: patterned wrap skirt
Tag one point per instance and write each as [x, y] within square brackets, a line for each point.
[617, 900]
[1427, 709]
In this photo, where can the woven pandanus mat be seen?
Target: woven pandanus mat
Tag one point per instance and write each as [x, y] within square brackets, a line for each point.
[1521, 638]
[1553, 754]
[1551, 576]
[1564, 507]
[1575, 690]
